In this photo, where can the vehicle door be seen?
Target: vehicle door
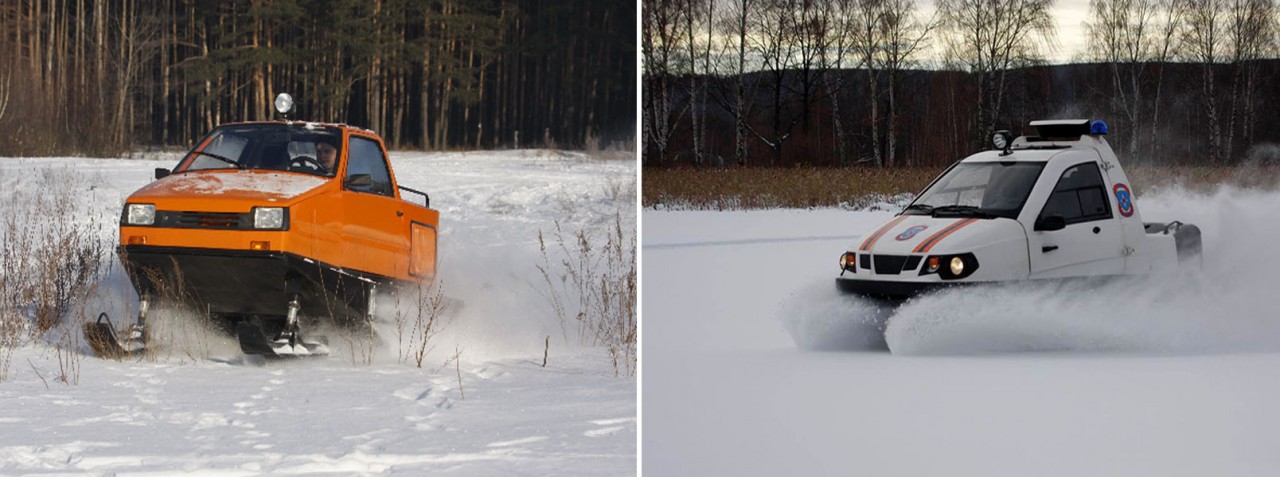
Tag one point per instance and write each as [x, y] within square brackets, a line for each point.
[1089, 241]
[374, 238]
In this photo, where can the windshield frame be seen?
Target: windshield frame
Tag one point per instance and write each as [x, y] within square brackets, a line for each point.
[924, 203]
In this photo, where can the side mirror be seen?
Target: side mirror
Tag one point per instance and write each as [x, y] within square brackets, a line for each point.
[162, 173]
[1050, 223]
[358, 180]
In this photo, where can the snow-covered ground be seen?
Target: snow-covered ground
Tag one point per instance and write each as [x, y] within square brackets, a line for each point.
[198, 407]
[1171, 376]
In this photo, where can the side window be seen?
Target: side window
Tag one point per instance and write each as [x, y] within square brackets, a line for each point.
[1079, 196]
[366, 157]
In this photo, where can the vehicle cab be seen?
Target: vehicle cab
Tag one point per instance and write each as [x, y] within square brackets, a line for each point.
[1053, 205]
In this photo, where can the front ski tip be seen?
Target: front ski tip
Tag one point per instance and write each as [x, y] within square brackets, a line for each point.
[106, 344]
[102, 338]
[253, 341]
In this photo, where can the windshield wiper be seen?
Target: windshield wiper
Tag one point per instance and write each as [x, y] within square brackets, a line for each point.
[223, 159]
[962, 210]
[925, 208]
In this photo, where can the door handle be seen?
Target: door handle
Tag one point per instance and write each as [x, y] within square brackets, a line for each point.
[1048, 248]
[399, 214]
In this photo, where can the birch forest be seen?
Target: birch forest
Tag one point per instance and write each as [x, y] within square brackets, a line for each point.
[112, 76]
[906, 82]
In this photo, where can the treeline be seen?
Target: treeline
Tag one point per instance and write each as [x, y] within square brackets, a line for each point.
[101, 77]
[840, 82]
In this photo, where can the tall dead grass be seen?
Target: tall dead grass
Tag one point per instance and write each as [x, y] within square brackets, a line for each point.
[53, 257]
[592, 291]
[760, 188]
[421, 320]
[861, 187]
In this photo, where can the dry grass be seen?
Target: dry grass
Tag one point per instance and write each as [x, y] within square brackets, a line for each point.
[860, 187]
[592, 291]
[418, 323]
[51, 261]
[759, 188]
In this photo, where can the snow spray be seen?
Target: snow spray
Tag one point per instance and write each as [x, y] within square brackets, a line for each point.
[1227, 305]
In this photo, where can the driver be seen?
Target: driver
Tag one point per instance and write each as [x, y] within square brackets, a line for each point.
[327, 153]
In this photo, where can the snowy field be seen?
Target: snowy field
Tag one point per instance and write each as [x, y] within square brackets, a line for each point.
[198, 407]
[1169, 376]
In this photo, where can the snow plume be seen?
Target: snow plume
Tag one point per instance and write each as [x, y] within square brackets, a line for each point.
[487, 313]
[820, 318]
[1227, 306]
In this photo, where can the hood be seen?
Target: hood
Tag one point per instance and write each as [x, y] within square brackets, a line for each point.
[922, 234]
[226, 185]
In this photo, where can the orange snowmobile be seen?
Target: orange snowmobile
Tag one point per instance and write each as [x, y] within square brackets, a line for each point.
[269, 226]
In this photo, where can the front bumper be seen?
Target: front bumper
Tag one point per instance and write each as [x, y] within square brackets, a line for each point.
[893, 291]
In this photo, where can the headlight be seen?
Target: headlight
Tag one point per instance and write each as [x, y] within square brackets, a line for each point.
[950, 267]
[268, 218]
[848, 261]
[140, 214]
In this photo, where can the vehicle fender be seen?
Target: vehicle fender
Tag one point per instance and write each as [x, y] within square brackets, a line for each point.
[1000, 245]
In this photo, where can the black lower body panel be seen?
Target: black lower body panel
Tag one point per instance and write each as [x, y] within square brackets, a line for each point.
[888, 291]
[237, 284]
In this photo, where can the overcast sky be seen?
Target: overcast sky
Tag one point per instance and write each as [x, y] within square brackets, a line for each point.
[1069, 15]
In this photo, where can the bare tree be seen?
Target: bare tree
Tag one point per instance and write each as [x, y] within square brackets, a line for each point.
[659, 45]
[905, 36]
[695, 13]
[6, 79]
[738, 26]
[990, 37]
[1122, 35]
[868, 43]
[1203, 40]
[772, 43]
[810, 21]
[839, 48]
[1251, 33]
[1168, 24]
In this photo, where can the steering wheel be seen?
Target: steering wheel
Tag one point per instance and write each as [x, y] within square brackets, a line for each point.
[306, 164]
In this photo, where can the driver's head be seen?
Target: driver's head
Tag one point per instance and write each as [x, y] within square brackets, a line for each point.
[327, 153]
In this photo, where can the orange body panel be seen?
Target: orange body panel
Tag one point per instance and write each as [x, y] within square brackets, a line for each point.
[422, 250]
[352, 230]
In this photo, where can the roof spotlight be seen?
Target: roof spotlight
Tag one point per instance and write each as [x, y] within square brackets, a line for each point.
[1002, 140]
[284, 103]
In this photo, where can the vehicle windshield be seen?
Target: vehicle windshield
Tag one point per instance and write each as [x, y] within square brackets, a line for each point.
[979, 189]
[281, 147]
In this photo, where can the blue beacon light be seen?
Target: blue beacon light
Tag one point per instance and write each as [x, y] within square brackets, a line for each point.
[1098, 127]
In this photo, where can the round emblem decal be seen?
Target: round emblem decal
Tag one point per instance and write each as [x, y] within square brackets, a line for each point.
[1124, 199]
[911, 232]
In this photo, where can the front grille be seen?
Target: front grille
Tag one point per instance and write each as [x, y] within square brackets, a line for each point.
[912, 262]
[889, 264]
[203, 220]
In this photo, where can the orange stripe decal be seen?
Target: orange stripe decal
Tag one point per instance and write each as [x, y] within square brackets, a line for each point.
[866, 244]
[928, 243]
